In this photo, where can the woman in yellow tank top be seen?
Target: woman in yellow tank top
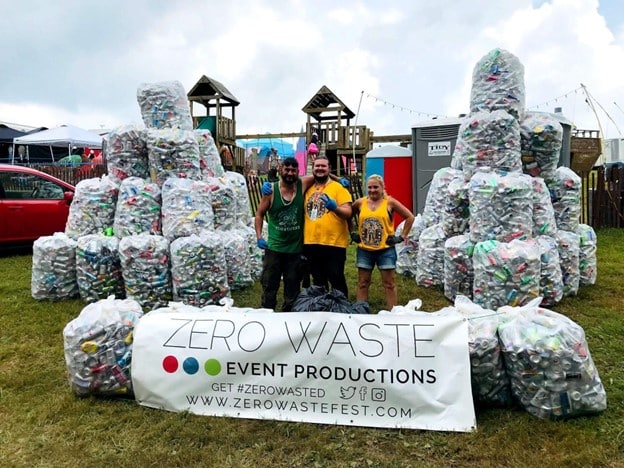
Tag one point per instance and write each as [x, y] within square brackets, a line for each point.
[376, 239]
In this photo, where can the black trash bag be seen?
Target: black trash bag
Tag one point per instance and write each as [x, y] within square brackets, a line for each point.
[360, 307]
[317, 298]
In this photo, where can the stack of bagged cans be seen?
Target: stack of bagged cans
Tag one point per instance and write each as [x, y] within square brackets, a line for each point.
[514, 191]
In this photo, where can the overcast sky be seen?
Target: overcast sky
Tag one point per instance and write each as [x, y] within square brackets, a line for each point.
[80, 62]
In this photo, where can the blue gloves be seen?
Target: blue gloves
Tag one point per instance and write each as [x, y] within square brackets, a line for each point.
[330, 203]
[346, 183]
[393, 240]
[267, 188]
[262, 243]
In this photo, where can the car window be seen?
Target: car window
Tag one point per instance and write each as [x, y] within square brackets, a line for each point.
[49, 190]
[18, 186]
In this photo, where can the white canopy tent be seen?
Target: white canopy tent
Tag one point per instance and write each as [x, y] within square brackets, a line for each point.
[63, 136]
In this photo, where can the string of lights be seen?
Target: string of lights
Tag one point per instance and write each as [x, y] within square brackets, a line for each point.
[402, 108]
[545, 104]
[550, 102]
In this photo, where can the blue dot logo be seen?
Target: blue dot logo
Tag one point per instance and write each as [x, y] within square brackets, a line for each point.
[190, 365]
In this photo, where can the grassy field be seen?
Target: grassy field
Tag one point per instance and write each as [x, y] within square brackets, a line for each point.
[42, 423]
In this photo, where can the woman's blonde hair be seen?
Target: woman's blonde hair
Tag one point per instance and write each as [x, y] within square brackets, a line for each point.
[379, 179]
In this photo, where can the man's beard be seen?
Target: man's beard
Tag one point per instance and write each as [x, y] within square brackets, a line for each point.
[321, 179]
[289, 179]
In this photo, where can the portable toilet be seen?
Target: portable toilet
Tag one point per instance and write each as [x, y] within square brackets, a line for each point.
[394, 164]
[433, 142]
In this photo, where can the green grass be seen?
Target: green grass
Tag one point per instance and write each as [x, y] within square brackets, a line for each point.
[42, 423]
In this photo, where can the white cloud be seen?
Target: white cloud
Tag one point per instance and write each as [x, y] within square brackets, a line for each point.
[81, 62]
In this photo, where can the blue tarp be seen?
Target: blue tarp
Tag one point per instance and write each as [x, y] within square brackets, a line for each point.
[264, 145]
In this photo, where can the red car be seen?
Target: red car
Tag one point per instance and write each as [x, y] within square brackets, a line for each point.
[32, 204]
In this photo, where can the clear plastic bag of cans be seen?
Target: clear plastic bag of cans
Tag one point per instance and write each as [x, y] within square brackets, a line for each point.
[549, 364]
[565, 194]
[568, 244]
[256, 254]
[456, 207]
[505, 273]
[430, 264]
[490, 140]
[498, 83]
[456, 158]
[198, 269]
[541, 137]
[241, 194]
[209, 159]
[223, 203]
[93, 208]
[146, 269]
[98, 268]
[98, 347]
[237, 254]
[437, 195]
[172, 153]
[458, 271]
[551, 279]
[138, 208]
[125, 153]
[407, 252]
[588, 244]
[501, 207]
[186, 207]
[53, 274]
[544, 223]
[490, 383]
[164, 105]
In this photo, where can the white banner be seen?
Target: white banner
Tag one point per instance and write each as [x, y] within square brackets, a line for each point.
[397, 371]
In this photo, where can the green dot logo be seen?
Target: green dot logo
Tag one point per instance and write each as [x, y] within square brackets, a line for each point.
[212, 367]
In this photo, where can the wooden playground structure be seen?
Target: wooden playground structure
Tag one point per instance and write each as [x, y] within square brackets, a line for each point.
[344, 144]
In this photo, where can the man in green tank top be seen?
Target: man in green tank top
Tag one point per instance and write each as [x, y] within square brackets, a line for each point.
[282, 251]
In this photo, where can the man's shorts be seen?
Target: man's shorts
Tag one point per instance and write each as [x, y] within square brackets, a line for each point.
[384, 259]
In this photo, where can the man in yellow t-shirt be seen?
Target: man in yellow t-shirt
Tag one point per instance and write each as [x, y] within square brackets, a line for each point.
[327, 208]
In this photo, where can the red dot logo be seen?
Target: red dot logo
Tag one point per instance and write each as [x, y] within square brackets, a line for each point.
[170, 364]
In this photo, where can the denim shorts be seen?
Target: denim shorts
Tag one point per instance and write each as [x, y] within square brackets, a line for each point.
[384, 259]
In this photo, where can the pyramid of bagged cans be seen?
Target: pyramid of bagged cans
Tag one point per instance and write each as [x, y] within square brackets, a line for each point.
[160, 225]
[500, 234]
[166, 223]
[501, 224]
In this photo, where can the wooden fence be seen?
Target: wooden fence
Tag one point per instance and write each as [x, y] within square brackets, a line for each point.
[72, 175]
[601, 197]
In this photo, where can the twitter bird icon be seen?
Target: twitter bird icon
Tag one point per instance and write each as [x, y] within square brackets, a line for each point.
[346, 393]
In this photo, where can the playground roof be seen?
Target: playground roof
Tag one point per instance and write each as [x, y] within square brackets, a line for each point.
[207, 90]
[325, 105]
